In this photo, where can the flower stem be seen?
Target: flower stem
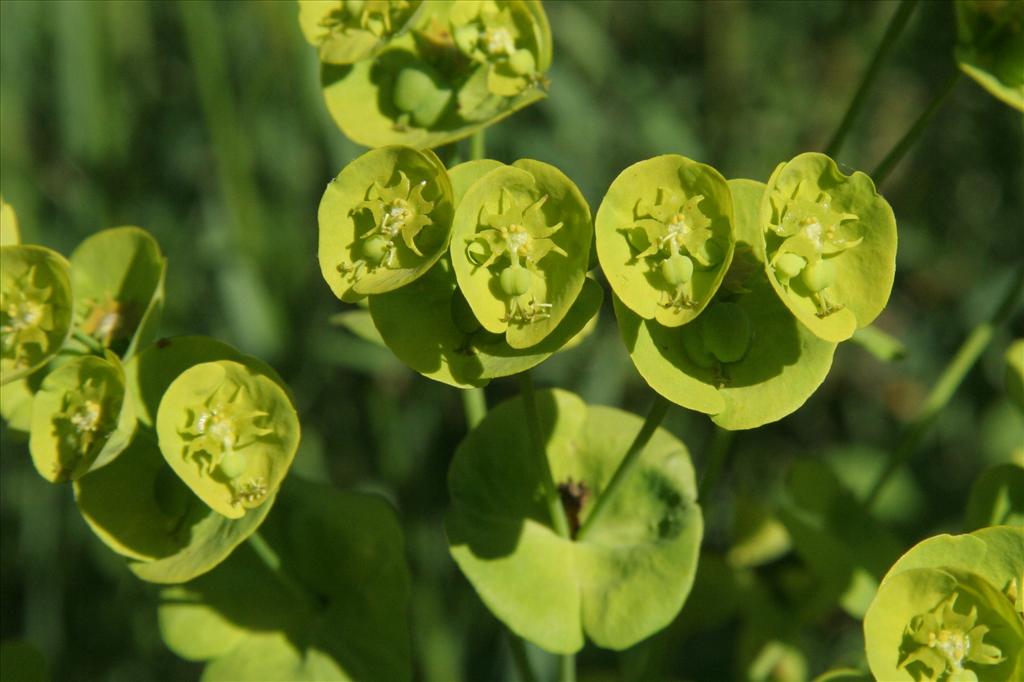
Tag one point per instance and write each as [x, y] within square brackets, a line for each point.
[720, 442]
[477, 145]
[948, 382]
[89, 342]
[632, 456]
[474, 404]
[908, 140]
[551, 496]
[520, 659]
[892, 32]
[567, 669]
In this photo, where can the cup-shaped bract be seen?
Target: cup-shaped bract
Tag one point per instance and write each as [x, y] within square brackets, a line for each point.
[118, 279]
[384, 221]
[347, 31]
[520, 249]
[951, 609]
[665, 237]
[461, 65]
[627, 577]
[744, 360]
[229, 432]
[830, 243]
[140, 509]
[990, 46]
[81, 418]
[9, 233]
[35, 308]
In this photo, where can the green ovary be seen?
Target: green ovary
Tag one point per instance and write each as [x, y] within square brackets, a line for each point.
[811, 232]
[218, 436]
[669, 231]
[25, 317]
[399, 211]
[519, 233]
[943, 641]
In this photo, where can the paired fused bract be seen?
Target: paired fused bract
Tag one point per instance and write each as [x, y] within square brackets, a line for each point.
[35, 308]
[229, 432]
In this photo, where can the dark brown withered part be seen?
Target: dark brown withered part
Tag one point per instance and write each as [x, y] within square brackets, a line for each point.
[573, 495]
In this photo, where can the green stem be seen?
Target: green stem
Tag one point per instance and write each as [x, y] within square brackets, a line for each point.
[892, 32]
[551, 496]
[567, 669]
[272, 561]
[629, 461]
[89, 342]
[721, 440]
[520, 659]
[908, 140]
[474, 404]
[478, 145]
[948, 382]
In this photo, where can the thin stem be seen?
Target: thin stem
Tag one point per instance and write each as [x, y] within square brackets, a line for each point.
[551, 496]
[520, 659]
[721, 440]
[477, 145]
[629, 461]
[908, 140]
[272, 561]
[892, 32]
[474, 404]
[567, 669]
[948, 382]
[92, 344]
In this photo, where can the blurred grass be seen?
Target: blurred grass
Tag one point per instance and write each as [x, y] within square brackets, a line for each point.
[203, 123]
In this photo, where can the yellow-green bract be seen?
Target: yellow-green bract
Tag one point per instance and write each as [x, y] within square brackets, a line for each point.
[745, 360]
[990, 46]
[665, 237]
[384, 221]
[347, 31]
[35, 308]
[520, 249]
[229, 433]
[81, 418]
[118, 278]
[830, 245]
[627, 578]
[951, 608]
[459, 65]
[9, 234]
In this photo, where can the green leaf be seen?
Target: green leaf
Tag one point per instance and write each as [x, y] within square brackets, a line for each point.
[320, 615]
[9, 233]
[425, 324]
[631, 575]
[118, 279]
[665, 207]
[81, 419]
[229, 432]
[384, 221]
[1014, 373]
[527, 219]
[140, 509]
[842, 230]
[464, 86]
[990, 47]
[836, 536]
[20, 661]
[997, 497]
[35, 308]
[783, 365]
[344, 35]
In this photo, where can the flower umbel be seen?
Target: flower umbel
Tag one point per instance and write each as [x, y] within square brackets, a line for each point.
[946, 640]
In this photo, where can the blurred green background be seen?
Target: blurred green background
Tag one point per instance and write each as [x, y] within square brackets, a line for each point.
[204, 123]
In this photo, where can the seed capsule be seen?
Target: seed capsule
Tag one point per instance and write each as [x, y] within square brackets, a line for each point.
[677, 269]
[693, 345]
[515, 280]
[375, 248]
[789, 265]
[233, 464]
[418, 93]
[522, 62]
[819, 275]
[726, 330]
